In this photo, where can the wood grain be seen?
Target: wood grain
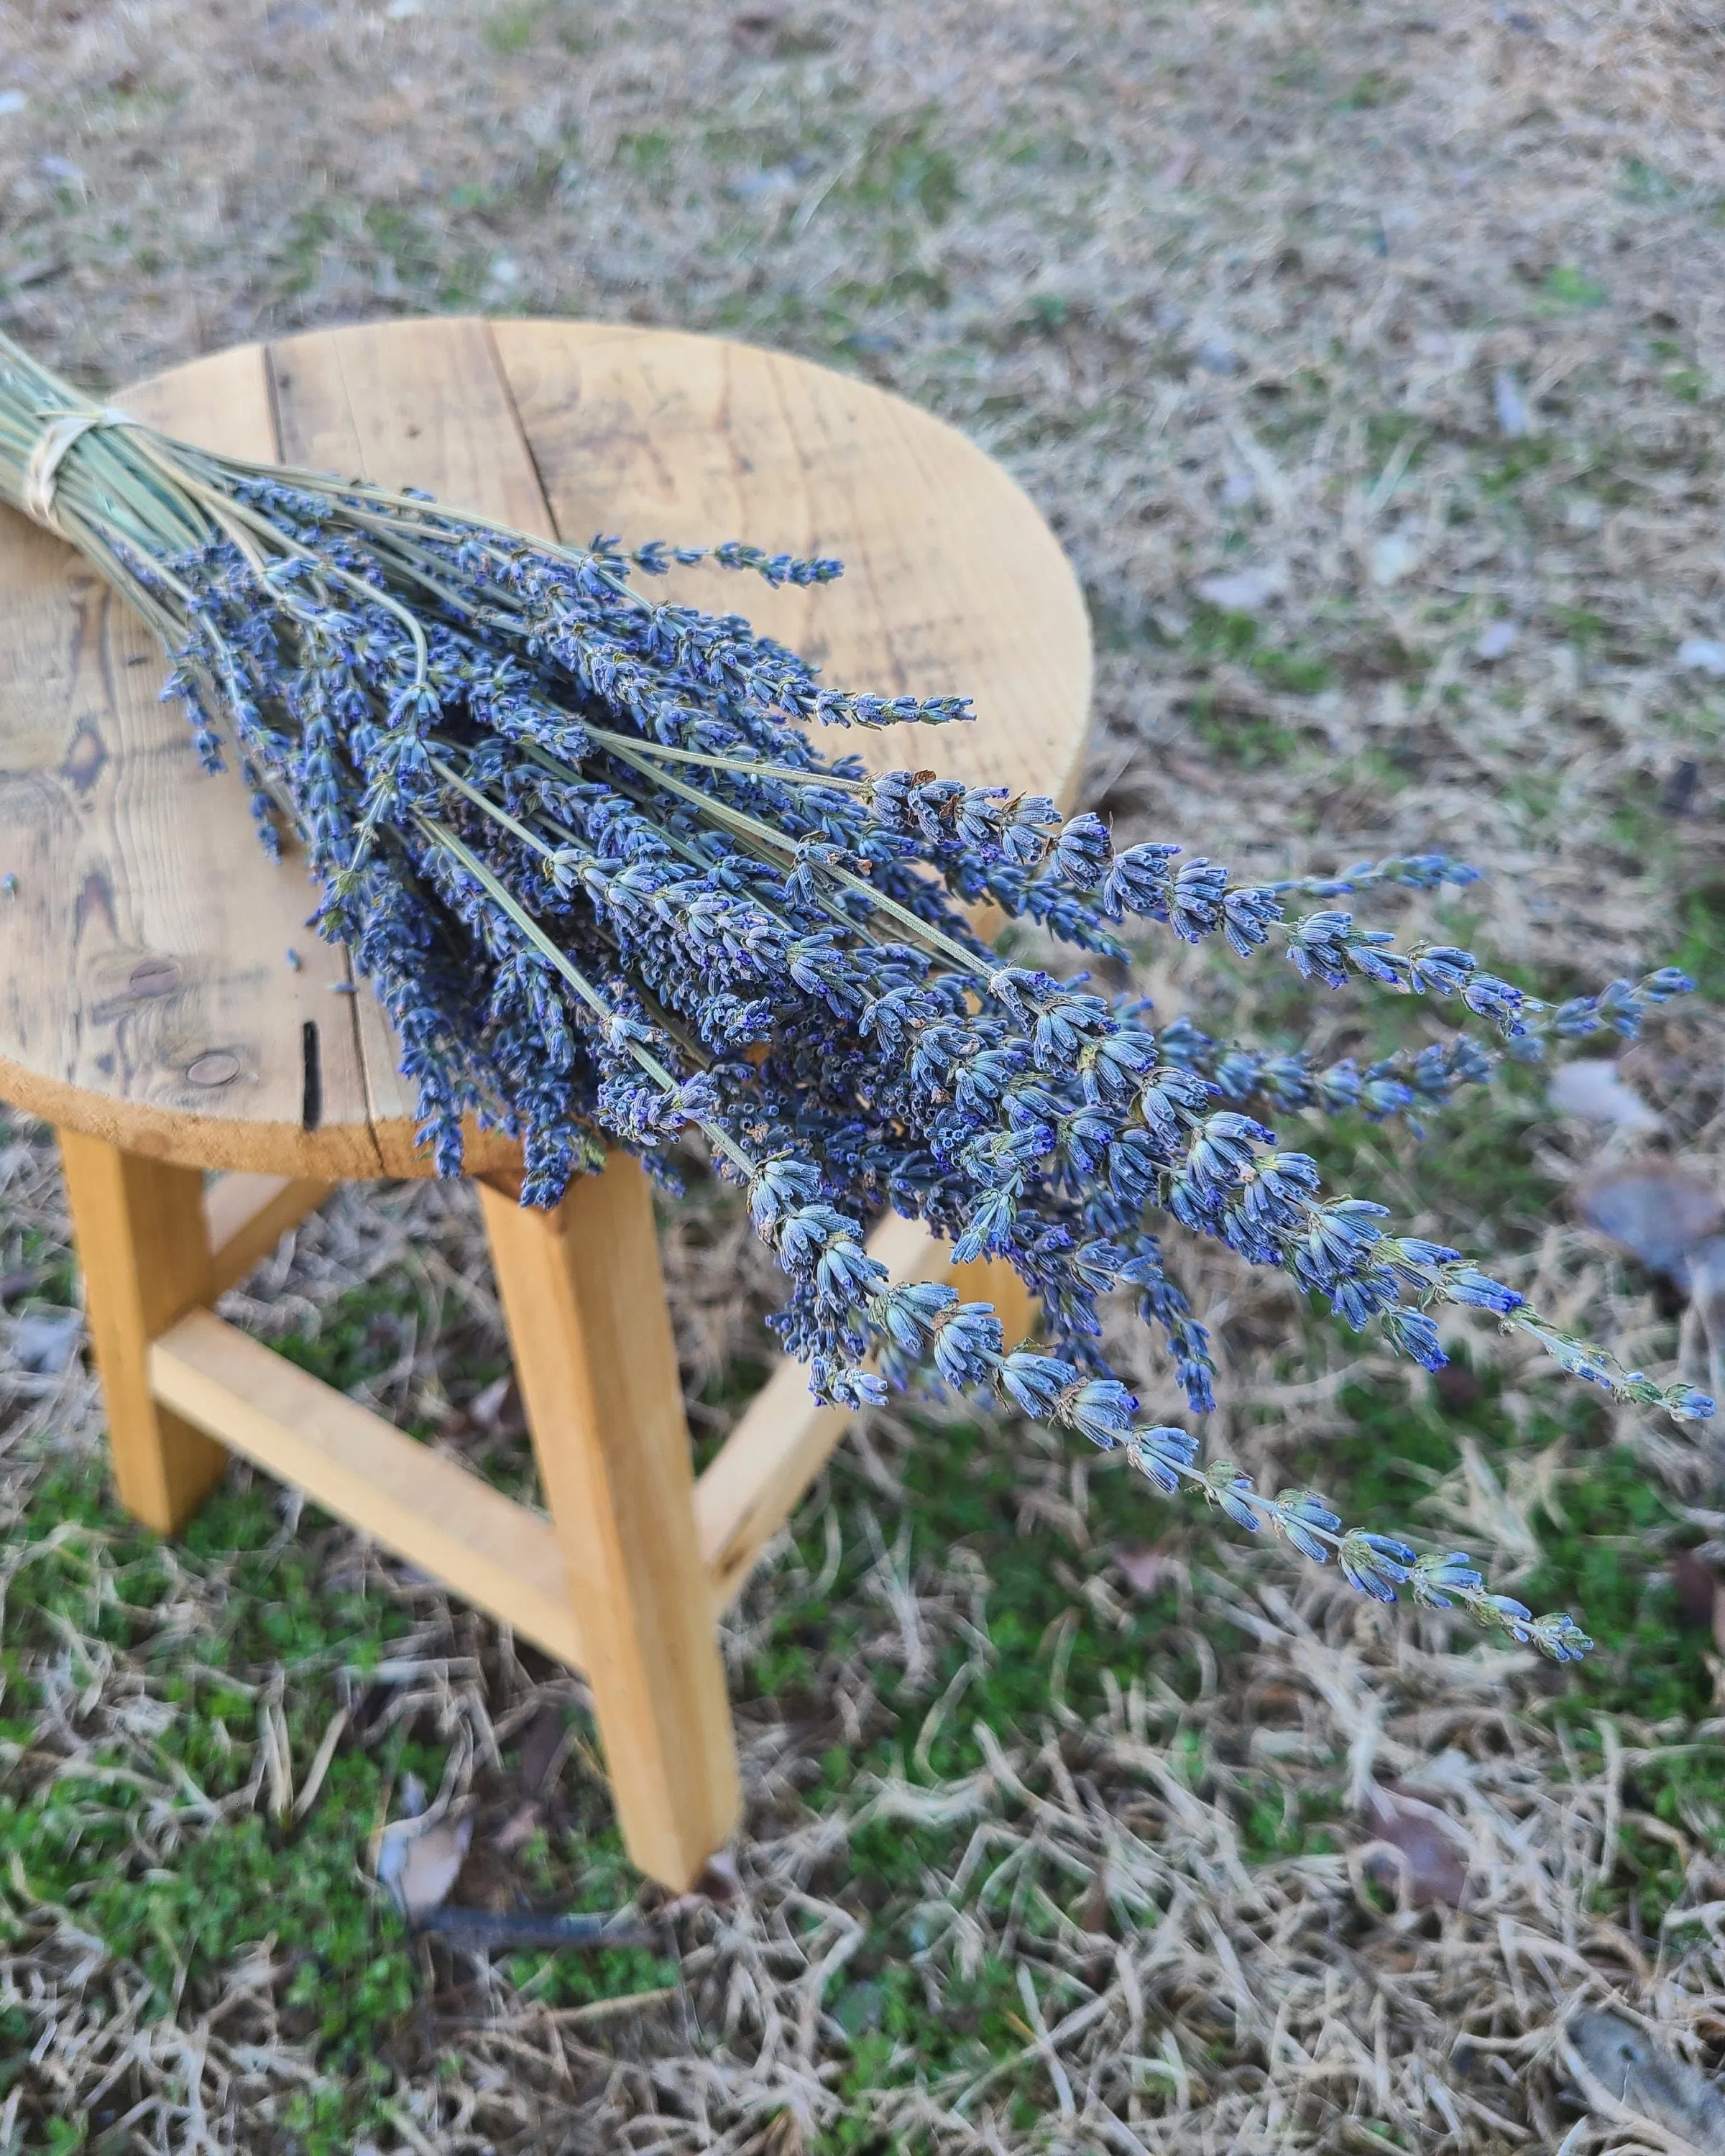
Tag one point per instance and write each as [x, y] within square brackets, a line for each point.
[597, 1368]
[409, 403]
[428, 1509]
[144, 992]
[145, 1255]
[953, 584]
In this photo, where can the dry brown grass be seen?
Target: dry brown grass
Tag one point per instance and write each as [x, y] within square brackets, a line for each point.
[1231, 288]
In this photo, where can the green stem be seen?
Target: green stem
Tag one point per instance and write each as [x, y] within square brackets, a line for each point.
[787, 772]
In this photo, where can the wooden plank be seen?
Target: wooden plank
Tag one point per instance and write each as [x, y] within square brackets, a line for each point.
[426, 1509]
[785, 1437]
[597, 1368]
[409, 403]
[220, 401]
[143, 980]
[953, 584]
[139, 1228]
[312, 1049]
[246, 1216]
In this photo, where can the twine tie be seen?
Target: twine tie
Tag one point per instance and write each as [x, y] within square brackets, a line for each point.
[42, 472]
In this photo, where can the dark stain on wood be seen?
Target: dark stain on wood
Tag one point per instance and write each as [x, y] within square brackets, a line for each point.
[85, 758]
[87, 593]
[95, 896]
[154, 977]
[216, 1067]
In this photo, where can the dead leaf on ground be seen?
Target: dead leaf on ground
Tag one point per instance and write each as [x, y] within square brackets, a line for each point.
[496, 1412]
[420, 1867]
[1244, 591]
[541, 1745]
[45, 1341]
[1425, 1856]
[720, 1879]
[432, 1864]
[1655, 1211]
[1595, 1089]
[1702, 654]
[1639, 2076]
[1146, 1569]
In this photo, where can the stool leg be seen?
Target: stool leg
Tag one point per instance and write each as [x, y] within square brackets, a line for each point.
[584, 1300]
[139, 1228]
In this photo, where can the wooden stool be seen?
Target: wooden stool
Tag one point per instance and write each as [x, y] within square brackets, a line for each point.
[149, 1009]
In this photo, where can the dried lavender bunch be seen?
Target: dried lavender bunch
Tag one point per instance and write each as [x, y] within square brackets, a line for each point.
[610, 893]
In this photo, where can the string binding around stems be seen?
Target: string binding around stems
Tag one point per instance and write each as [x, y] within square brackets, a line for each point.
[41, 469]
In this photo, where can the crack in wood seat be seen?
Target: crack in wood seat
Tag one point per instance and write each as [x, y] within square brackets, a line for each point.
[149, 1009]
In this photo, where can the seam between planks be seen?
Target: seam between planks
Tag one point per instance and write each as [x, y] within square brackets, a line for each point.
[502, 370]
[274, 394]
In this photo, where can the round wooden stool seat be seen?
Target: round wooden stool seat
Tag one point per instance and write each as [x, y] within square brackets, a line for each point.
[159, 988]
